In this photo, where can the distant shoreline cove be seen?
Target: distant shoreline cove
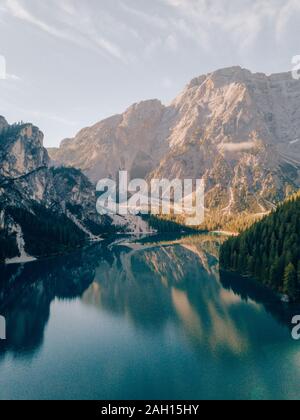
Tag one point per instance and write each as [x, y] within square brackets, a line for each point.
[30, 259]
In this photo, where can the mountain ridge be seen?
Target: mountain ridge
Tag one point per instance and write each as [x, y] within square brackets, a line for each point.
[236, 129]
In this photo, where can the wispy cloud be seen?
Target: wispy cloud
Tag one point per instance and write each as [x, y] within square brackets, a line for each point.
[75, 27]
[238, 147]
[133, 30]
[290, 9]
[50, 116]
[152, 19]
[20, 12]
[241, 22]
[30, 114]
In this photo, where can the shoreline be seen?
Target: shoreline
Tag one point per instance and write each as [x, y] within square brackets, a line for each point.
[31, 259]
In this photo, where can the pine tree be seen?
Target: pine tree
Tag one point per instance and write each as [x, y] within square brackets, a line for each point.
[269, 251]
[290, 281]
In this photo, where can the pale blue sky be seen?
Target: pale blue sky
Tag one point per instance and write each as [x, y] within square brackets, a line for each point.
[71, 63]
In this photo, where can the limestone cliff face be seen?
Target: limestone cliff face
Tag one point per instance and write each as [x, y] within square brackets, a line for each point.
[22, 151]
[62, 200]
[29, 188]
[132, 141]
[238, 130]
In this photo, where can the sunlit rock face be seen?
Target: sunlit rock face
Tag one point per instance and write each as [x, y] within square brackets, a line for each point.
[27, 181]
[22, 152]
[238, 130]
[132, 141]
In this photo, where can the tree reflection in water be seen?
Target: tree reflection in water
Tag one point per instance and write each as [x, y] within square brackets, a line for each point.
[151, 283]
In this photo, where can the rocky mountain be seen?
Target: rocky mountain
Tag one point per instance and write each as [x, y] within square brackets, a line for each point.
[238, 130]
[43, 210]
[134, 140]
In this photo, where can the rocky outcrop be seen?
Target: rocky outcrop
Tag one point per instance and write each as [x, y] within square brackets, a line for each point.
[45, 210]
[132, 141]
[238, 130]
[22, 151]
[36, 199]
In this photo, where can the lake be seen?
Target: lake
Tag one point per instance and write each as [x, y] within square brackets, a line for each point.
[147, 319]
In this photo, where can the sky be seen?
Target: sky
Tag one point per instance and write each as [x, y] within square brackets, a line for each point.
[71, 63]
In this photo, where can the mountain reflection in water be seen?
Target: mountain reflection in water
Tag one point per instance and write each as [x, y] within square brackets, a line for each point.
[167, 289]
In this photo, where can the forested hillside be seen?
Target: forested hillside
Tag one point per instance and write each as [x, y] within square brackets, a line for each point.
[43, 211]
[270, 250]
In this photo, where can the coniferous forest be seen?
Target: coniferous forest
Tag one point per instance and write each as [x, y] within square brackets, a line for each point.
[45, 233]
[269, 251]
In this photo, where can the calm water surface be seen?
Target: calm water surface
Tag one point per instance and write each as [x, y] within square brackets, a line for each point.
[143, 320]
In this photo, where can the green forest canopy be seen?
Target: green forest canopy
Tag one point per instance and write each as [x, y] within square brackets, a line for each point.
[269, 251]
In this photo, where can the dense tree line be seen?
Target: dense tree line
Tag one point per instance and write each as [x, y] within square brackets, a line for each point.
[168, 225]
[238, 223]
[270, 250]
[46, 232]
[214, 221]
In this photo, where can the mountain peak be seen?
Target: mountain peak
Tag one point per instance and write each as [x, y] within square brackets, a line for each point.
[237, 74]
[227, 72]
[21, 150]
[150, 105]
[236, 129]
